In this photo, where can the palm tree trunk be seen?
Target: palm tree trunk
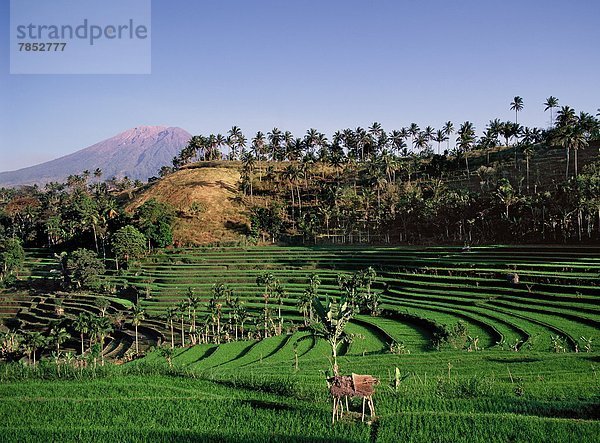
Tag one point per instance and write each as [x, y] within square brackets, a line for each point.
[95, 238]
[527, 166]
[82, 350]
[172, 336]
[575, 153]
[137, 350]
[567, 170]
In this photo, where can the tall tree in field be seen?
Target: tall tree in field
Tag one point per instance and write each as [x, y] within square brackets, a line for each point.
[268, 282]
[58, 336]
[275, 138]
[83, 324]
[551, 103]
[448, 131]
[413, 131]
[439, 138]
[181, 312]
[235, 136]
[572, 137]
[103, 329]
[566, 119]
[171, 318]
[137, 316]
[36, 341]
[517, 106]
[465, 140]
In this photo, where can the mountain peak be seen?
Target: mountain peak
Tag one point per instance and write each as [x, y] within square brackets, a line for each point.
[138, 153]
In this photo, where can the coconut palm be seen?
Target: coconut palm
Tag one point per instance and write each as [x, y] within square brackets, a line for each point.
[82, 324]
[397, 140]
[275, 138]
[234, 138]
[551, 103]
[58, 336]
[181, 311]
[193, 302]
[269, 282]
[36, 340]
[572, 137]
[102, 328]
[413, 131]
[517, 106]
[171, 318]
[137, 316]
[465, 140]
[440, 137]
[448, 131]
[421, 142]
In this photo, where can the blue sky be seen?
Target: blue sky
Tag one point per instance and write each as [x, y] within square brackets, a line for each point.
[323, 64]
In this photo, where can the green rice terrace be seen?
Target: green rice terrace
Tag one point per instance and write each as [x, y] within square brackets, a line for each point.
[491, 344]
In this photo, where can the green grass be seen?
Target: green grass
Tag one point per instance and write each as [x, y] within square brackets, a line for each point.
[487, 396]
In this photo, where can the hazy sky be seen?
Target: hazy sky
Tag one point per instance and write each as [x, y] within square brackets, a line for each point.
[324, 64]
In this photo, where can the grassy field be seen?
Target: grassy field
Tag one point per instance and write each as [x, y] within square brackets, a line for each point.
[515, 388]
[486, 396]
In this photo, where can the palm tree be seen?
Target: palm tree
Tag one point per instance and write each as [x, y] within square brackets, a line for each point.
[247, 171]
[58, 336]
[516, 105]
[397, 140]
[36, 340]
[193, 303]
[102, 329]
[421, 142]
[269, 282]
[181, 310]
[448, 130]
[235, 137]
[528, 152]
[413, 131]
[171, 318]
[572, 137]
[275, 137]
[551, 103]
[82, 324]
[440, 137]
[465, 140]
[137, 316]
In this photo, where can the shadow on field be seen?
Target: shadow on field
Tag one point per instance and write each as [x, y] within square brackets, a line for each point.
[267, 405]
[513, 359]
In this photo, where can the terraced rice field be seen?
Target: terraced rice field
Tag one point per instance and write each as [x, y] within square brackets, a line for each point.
[421, 289]
[514, 389]
[557, 293]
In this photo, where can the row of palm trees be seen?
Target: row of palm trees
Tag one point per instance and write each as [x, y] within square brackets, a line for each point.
[210, 326]
[568, 130]
[92, 330]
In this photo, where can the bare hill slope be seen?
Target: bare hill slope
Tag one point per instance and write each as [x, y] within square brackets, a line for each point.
[207, 203]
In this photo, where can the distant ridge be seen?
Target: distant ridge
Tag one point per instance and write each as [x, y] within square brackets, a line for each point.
[138, 153]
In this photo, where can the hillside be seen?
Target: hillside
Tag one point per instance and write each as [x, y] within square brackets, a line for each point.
[206, 201]
[138, 153]
[546, 166]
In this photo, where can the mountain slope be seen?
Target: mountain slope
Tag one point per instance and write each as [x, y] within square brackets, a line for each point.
[137, 153]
